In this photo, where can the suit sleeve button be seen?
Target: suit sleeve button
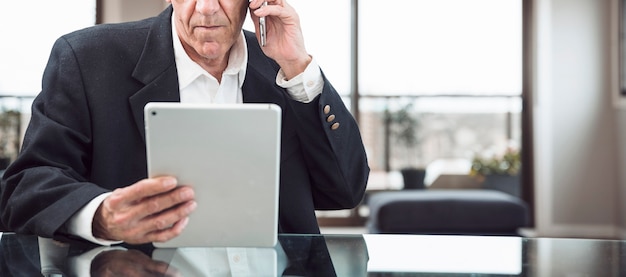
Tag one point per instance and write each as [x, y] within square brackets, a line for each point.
[327, 109]
[335, 126]
[330, 118]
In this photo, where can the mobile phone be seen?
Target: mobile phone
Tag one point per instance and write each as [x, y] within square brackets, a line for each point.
[262, 26]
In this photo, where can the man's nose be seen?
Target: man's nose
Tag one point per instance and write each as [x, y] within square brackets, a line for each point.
[207, 7]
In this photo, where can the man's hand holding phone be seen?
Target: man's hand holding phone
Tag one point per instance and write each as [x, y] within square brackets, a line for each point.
[280, 34]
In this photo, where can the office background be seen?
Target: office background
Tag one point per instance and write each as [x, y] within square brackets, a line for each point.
[578, 127]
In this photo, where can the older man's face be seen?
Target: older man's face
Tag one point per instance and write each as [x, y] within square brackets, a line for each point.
[209, 28]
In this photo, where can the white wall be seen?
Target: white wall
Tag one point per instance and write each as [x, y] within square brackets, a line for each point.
[620, 104]
[24, 50]
[576, 138]
[121, 10]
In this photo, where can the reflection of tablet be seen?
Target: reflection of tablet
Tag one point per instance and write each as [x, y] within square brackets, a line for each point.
[230, 154]
[220, 261]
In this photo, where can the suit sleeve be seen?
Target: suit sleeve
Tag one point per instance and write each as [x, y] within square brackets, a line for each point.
[47, 183]
[333, 150]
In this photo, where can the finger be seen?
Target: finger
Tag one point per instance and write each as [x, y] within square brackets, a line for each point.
[266, 7]
[265, 11]
[169, 233]
[147, 188]
[167, 218]
[158, 235]
[281, 12]
[256, 4]
[162, 226]
[275, 2]
[149, 207]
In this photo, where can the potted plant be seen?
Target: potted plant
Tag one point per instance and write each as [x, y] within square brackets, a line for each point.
[404, 128]
[499, 172]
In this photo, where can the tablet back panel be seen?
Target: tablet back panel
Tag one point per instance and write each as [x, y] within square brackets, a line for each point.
[230, 154]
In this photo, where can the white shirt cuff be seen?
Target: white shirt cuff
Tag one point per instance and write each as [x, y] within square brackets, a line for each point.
[305, 86]
[81, 223]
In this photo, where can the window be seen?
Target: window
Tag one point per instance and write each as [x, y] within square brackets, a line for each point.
[456, 63]
[28, 30]
[425, 47]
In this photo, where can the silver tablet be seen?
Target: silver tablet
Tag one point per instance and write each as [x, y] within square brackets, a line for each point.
[230, 154]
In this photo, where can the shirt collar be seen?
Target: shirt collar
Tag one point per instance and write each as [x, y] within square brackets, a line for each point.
[188, 70]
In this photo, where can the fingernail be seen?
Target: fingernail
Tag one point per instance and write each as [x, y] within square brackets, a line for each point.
[185, 222]
[186, 194]
[193, 206]
[170, 182]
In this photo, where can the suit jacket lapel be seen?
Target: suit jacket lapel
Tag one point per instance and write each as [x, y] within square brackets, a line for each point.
[256, 89]
[259, 85]
[156, 69]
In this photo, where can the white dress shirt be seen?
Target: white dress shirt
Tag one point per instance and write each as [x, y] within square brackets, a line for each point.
[198, 86]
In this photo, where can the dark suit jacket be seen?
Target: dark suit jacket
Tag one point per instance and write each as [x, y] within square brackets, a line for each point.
[86, 134]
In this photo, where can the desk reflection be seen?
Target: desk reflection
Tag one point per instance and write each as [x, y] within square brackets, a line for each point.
[222, 261]
[489, 255]
[293, 256]
[328, 255]
[18, 256]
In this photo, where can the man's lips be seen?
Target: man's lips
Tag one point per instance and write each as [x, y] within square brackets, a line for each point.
[208, 28]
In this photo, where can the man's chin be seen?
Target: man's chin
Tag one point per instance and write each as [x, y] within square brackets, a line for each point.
[212, 52]
[208, 50]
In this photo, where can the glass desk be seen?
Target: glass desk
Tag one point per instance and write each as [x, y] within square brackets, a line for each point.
[324, 255]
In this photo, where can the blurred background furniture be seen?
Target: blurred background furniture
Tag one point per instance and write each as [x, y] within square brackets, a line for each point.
[454, 212]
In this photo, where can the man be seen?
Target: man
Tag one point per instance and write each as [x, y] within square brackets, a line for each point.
[82, 168]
